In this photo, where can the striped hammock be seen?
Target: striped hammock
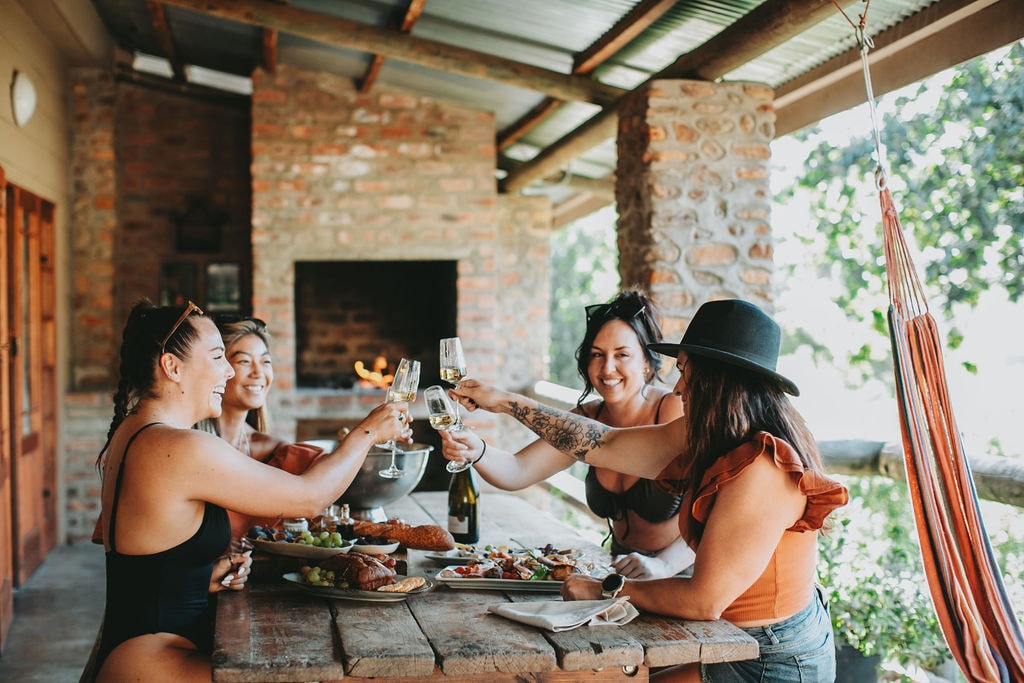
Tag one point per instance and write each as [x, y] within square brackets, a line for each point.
[966, 586]
[967, 590]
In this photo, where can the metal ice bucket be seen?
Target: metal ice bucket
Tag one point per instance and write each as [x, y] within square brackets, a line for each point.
[368, 492]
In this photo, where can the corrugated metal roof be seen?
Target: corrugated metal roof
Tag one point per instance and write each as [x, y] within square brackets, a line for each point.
[541, 33]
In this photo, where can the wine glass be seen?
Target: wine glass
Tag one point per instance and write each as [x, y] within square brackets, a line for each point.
[453, 367]
[441, 412]
[403, 388]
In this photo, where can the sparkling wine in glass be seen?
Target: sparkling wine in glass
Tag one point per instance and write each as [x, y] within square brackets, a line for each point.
[403, 388]
[453, 367]
[442, 415]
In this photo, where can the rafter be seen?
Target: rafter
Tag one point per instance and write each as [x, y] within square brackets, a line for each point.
[412, 15]
[391, 43]
[614, 39]
[770, 24]
[270, 50]
[166, 40]
[632, 24]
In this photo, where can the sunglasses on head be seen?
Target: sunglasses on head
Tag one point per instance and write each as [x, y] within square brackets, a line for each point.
[625, 309]
[232, 318]
[188, 311]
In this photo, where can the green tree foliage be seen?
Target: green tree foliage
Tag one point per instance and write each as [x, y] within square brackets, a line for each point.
[584, 269]
[956, 173]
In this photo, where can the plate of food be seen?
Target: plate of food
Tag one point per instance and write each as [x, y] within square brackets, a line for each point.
[455, 580]
[464, 554]
[296, 549]
[400, 590]
[538, 569]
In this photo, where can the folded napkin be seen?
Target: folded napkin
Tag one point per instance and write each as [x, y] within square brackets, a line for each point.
[556, 615]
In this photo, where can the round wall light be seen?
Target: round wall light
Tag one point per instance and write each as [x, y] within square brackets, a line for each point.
[23, 98]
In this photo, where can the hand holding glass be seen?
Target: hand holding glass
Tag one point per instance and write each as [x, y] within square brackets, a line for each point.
[453, 367]
[442, 416]
[403, 388]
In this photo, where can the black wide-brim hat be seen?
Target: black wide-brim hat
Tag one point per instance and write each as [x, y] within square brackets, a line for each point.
[734, 332]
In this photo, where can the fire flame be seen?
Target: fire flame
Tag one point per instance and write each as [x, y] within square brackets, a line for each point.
[377, 377]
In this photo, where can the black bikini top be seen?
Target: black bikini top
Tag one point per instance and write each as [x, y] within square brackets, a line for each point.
[646, 498]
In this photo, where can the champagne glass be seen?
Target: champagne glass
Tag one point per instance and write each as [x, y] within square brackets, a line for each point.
[441, 412]
[453, 367]
[403, 388]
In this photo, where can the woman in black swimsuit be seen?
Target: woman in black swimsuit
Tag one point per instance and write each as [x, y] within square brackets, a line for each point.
[164, 495]
[614, 361]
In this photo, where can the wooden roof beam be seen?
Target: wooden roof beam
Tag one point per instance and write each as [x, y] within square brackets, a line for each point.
[390, 43]
[632, 24]
[577, 207]
[412, 15]
[769, 25]
[614, 39]
[270, 50]
[940, 36]
[163, 36]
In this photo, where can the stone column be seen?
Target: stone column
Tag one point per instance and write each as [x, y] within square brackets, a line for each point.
[693, 195]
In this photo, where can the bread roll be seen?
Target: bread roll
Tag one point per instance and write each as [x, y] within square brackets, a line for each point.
[423, 537]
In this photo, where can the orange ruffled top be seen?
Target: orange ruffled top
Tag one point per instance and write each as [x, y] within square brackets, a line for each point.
[294, 458]
[783, 588]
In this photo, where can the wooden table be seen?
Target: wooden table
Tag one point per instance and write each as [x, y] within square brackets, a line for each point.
[271, 632]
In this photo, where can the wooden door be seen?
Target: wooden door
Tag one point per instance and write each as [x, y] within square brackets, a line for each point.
[6, 509]
[31, 395]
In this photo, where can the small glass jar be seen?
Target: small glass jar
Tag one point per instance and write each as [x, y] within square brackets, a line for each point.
[346, 525]
[296, 525]
[329, 518]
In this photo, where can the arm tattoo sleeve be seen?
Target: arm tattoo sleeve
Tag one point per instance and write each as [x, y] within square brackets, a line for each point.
[570, 433]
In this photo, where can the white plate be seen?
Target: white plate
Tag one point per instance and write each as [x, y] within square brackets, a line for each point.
[498, 584]
[469, 553]
[292, 549]
[376, 549]
[295, 579]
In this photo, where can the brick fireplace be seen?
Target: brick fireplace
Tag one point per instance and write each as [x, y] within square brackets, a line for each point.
[350, 312]
[387, 201]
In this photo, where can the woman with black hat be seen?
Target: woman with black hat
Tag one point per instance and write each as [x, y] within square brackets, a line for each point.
[755, 495]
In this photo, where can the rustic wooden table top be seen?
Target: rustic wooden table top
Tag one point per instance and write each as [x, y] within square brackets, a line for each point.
[273, 632]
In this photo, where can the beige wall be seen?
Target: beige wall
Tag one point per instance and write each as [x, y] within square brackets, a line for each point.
[36, 157]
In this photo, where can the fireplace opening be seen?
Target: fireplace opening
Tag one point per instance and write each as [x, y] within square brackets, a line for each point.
[349, 312]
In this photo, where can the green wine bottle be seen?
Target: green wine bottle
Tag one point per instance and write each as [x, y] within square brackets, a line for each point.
[463, 505]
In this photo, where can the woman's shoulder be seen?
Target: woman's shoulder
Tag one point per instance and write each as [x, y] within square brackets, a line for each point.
[823, 493]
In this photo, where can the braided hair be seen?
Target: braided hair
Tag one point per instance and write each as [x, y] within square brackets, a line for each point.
[146, 328]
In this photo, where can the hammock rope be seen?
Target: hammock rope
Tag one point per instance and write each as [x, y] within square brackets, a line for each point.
[964, 580]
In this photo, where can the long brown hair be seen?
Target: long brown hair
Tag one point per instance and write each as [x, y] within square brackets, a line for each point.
[726, 406]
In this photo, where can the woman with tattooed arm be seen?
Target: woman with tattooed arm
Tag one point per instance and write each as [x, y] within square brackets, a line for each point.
[755, 495]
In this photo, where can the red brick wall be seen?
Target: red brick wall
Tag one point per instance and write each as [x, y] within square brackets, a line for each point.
[388, 176]
[175, 153]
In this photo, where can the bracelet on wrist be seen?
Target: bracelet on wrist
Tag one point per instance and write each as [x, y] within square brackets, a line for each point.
[481, 453]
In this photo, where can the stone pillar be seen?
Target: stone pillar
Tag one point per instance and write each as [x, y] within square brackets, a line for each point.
[693, 195]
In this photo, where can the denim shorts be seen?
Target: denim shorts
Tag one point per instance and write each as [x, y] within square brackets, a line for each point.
[796, 650]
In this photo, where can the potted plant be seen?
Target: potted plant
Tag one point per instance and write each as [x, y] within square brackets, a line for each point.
[871, 569]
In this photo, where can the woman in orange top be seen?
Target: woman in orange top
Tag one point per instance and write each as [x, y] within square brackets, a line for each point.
[755, 496]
